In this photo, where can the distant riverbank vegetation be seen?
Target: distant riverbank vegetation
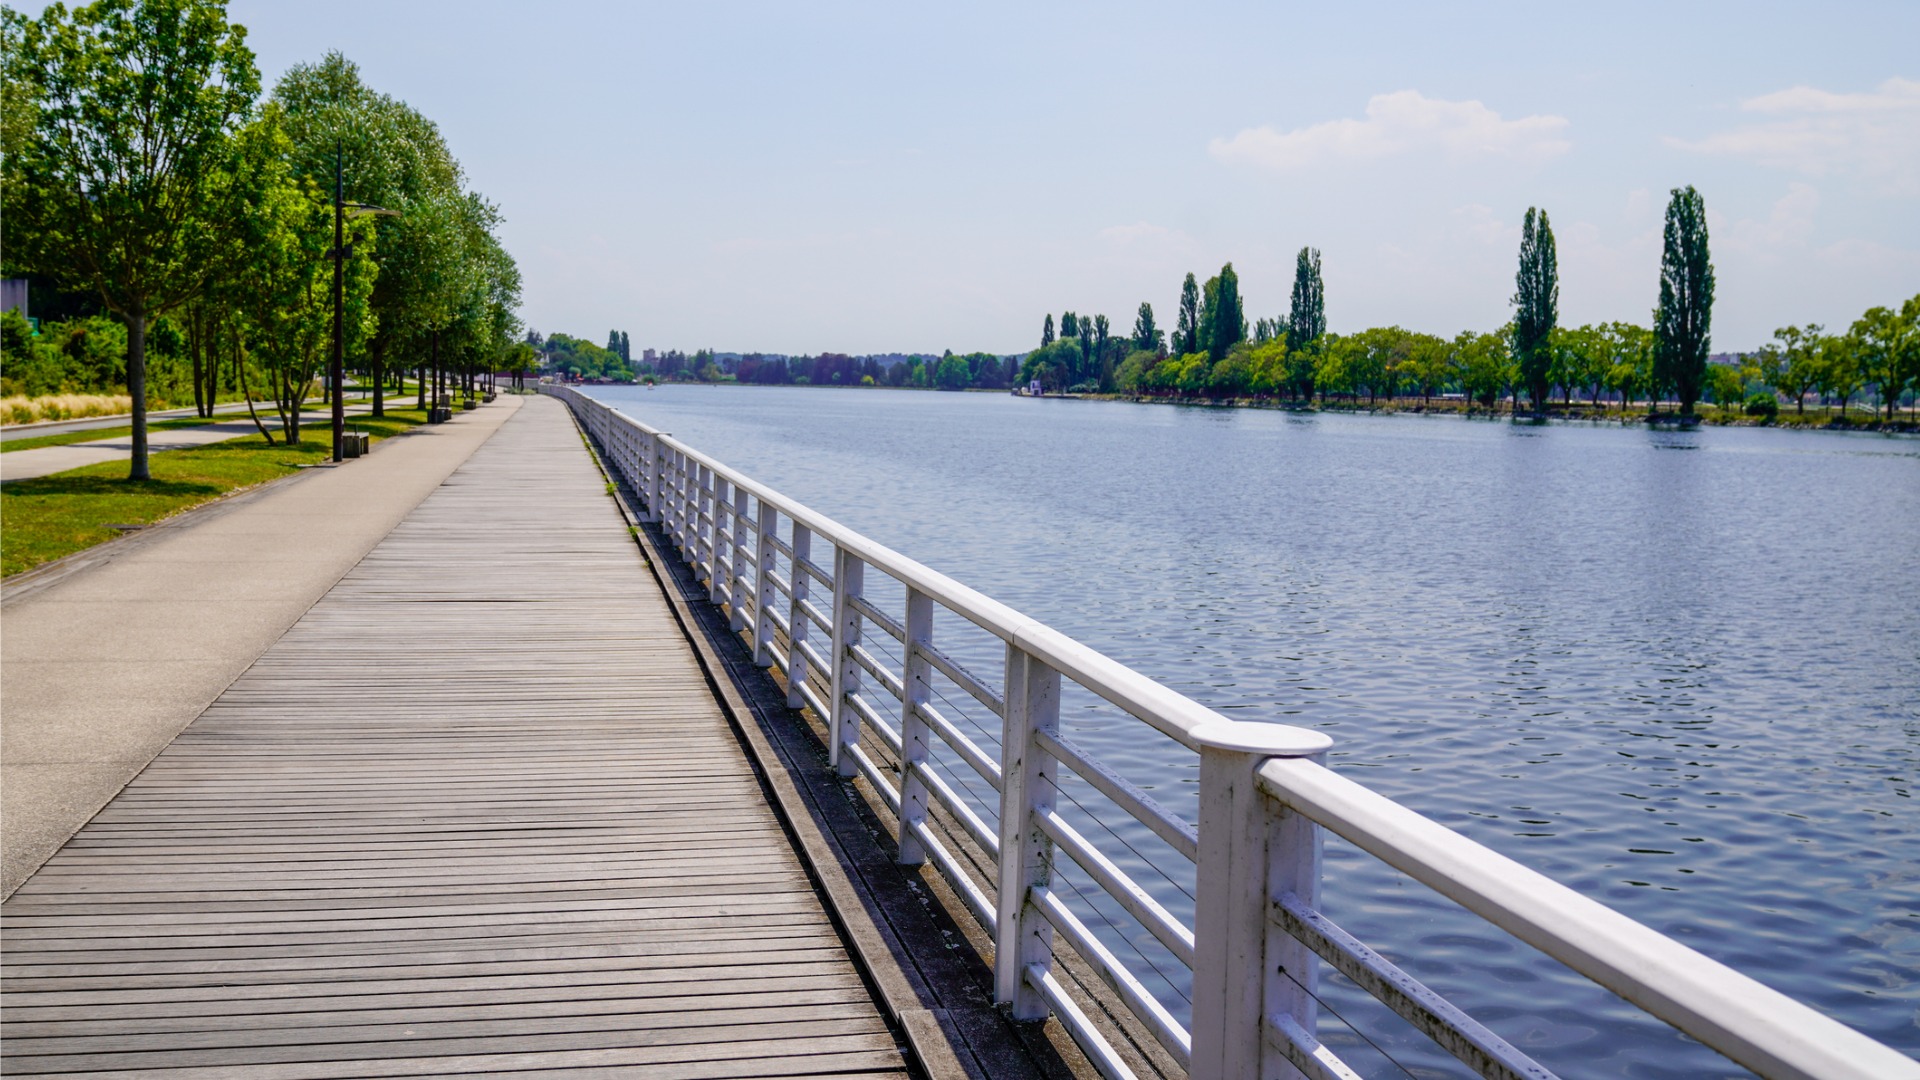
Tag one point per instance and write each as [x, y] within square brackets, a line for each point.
[1213, 354]
[1531, 365]
[183, 236]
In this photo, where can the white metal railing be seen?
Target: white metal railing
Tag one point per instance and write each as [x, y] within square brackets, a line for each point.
[1264, 798]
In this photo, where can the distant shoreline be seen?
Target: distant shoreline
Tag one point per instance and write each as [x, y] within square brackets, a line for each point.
[1906, 425]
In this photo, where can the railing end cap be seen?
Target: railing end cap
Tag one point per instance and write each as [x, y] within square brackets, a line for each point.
[1270, 740]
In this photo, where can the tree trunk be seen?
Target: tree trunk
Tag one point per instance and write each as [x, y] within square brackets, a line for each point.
[379, 380]
[420, 378]
[240, 369]
[137, 390]
[196, 344]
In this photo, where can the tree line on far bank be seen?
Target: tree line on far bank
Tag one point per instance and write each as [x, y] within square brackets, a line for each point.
[185, 225]
[1214, 353]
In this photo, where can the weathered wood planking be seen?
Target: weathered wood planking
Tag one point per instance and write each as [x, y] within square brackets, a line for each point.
[476, 813]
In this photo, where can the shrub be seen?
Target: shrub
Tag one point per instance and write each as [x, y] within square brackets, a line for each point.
[1762, 403]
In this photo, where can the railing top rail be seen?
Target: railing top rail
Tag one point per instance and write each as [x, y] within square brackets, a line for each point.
[1752, 1024]
[1171, 712]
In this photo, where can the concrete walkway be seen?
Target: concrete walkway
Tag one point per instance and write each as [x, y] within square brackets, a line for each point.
[105, 657]
[47, 460]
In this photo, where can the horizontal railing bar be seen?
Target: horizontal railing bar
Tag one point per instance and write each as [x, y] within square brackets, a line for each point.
[877, 777]
[1105, 1059]
[1305, 1052]
[1125, 891]
[978, 904]
[975, 825]
[785, 549]
[812, 699]
[872, 718]
[1166, 1030]
[813, 569]
[781, 583]
[1144, 808]
[878, 670]
[963, 678]
[1752, 1024]
[814, 615]
[968, 750]
[814, 659]
[879, 618]
[1439, 1019]
[780, 621]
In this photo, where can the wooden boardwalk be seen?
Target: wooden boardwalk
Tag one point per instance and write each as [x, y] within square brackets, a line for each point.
[476, 813]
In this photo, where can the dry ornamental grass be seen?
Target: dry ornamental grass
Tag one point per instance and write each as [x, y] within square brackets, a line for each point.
[26, 410]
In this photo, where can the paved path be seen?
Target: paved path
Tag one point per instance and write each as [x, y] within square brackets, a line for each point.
[107, 655]
[47, 460]
[476, 813]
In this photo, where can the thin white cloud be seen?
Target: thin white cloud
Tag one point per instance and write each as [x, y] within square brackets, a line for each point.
[1400, 123]
[1820, 133]
[1787, 228]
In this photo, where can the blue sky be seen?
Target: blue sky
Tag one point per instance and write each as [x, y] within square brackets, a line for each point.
[879, 177]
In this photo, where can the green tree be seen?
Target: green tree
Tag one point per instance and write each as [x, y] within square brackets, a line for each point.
[1307, 318]
[1909, 347]
[1536, 303]
[1046, 332]
[1877, 340]
[1682, 324]
[952, 374]
[1840, 374]
[1793, 365]
[1629, 361]
[1483, 365]
[1186, 329]
[1146, 336]
[283, 294]
[117, 174]
[392, 156]
[1226, 319]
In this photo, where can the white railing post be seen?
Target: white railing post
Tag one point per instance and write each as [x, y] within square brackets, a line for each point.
[648, 482]
[1022, 936]
[677, 500]
[700, 520]
[797, 628]
[849, 577]
[768, 596]
[1251, 852]
[736, 525]
[915, 672]
[718, 539]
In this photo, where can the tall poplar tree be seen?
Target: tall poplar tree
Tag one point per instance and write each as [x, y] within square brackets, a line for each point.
[1146, 336]
[1186, 329]
[1682, 324]
[1046, 332]
[1307, 319]
[120, 173]
[1226, 316]
[1536, 302]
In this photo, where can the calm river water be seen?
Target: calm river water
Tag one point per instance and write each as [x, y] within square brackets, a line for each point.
[1677, 671]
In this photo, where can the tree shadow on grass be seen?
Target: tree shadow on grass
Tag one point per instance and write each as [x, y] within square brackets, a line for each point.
[71, 486]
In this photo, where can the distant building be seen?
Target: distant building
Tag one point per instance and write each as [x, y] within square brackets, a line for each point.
[13, 296]
[648, 357]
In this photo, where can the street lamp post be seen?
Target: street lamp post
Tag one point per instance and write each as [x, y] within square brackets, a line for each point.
[336, 370]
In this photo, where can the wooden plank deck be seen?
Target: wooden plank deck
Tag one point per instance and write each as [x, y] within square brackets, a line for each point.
[476, 813]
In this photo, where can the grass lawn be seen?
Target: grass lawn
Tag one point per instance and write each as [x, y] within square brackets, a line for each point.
[53, 516]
